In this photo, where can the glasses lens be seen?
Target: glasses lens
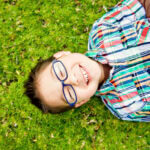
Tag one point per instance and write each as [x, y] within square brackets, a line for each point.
[60, 70]
[69, 94]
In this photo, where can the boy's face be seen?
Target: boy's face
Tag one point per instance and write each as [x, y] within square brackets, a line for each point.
[50, 88]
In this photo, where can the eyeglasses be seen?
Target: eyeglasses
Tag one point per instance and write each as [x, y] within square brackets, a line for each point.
[62, 75]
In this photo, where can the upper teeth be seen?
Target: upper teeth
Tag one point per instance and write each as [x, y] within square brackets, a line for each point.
[85, 74]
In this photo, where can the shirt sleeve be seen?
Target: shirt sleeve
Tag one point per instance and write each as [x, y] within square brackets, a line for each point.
[118, 32]
[142, 115]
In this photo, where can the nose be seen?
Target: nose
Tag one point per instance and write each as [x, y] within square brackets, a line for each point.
[72, 79]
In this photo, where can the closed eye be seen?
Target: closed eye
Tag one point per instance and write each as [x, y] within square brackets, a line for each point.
[71, 97]
[61, 73]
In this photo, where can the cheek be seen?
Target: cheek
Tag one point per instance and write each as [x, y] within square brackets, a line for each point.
[86, 93]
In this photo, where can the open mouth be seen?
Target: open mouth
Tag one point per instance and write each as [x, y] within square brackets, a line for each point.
[85, 74]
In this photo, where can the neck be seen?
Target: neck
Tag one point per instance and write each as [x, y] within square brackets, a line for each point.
[105, 69]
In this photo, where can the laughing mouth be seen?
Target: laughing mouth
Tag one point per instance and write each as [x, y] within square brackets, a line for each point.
[85, 74]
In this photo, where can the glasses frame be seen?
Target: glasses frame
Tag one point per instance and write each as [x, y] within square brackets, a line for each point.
[62, 81]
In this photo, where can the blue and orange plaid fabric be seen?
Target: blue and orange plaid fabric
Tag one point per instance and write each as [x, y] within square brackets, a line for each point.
[121, 38]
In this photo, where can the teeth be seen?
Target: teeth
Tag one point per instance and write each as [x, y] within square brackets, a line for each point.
[85, 75]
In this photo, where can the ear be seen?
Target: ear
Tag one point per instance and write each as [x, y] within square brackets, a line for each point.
[61, 53]
[81, 103]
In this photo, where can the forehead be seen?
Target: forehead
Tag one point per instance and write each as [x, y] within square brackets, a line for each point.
[49, 88]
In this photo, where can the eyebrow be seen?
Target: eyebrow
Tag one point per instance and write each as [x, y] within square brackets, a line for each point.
[54, 77]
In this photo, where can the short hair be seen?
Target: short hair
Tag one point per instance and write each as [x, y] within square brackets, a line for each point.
[30, 84]
[31, 88]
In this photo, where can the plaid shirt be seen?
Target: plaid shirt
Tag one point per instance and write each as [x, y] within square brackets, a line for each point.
[121, 38]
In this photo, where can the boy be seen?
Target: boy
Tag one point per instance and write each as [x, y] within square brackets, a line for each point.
[117, 67]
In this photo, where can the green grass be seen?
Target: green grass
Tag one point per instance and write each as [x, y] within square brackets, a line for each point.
[34, 29]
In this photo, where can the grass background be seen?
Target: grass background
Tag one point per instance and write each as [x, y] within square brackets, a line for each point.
[29, 31]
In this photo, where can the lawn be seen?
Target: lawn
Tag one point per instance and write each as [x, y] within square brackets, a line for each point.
[33, 30]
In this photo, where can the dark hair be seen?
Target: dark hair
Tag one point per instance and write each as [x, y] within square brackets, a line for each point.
[30, 84]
